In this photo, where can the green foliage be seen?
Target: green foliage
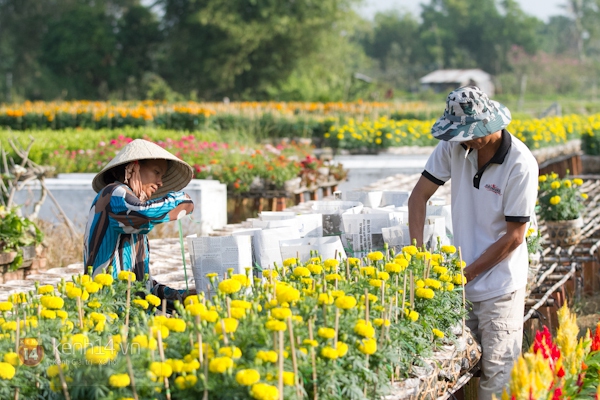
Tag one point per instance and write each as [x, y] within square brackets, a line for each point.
[17, 232]
[560, 199]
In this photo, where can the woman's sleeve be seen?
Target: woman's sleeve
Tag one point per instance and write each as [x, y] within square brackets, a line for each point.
[129, 215]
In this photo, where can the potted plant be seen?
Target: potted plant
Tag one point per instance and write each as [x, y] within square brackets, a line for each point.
[533, 238]
[16, 235]
[560, 205]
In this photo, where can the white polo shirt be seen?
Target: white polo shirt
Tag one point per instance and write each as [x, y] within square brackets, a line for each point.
[505, 189]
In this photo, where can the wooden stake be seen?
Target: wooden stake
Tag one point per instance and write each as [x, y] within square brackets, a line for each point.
[396, 312]
[80, 312]
[313, 360]
[337, 323]
[228, 307]
[164, 306]
[412, 291]
[404, 294]
[367, 306]
[280, 366]
[162, 359]
[294, 361]
[127, 304]
[63, 382]
[462, 276]
[225, 340]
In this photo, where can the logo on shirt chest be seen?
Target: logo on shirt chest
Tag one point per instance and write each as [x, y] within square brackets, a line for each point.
[494, 189]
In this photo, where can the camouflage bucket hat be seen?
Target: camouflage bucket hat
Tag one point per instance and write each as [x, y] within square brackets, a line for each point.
[469, 115]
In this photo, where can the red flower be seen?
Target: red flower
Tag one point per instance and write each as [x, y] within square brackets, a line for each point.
[543, 343]
[557, 394]
[596, 339]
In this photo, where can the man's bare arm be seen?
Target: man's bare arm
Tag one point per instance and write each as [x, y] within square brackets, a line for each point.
[417, 208]
[515, 235]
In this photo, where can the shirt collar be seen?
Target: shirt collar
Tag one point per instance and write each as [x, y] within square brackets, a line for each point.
[502, 151]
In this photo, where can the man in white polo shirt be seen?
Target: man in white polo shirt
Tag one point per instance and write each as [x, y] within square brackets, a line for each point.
[494, 180]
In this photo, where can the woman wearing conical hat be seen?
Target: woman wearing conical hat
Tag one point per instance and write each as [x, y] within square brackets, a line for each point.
[138, 189]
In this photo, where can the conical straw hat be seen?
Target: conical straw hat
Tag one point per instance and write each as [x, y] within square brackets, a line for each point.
[176, 178]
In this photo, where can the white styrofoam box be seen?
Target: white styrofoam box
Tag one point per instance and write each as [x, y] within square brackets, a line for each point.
[217, 254]
[75, 195]
[367, 198]
[332, 214]
[396, 198]
[327, 247]
[276, 215]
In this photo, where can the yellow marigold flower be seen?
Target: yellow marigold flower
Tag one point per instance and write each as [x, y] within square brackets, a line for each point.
[301, 272]
[176, 365]
[231, 352]
[7, 371]
[326, 333]
[119, 380]
[333, 277]
[437, 258]
[367, 271]
[411, 314]
[375, 282]
[331, 264]
[281, 313]
[94, 304]
[423, 255]
[329, 352]
[342, 349]
[141, 303]
[97, 317]
[445, 278]
[412, 250]
[307, 281]
[241, 304]
[237, 313]
[220, 365]
[393, 267]
[584, 196]
[309, 342]
[231, 325]
[384, 276]
[126, 275]
[211, 275]
[449, 286]
[554, 200]
[578, 181]
[380, 321]
[440, 270]
[364, 328]
[433, 283]
[153, 300]
[275, 325]
[420, 283]
[425, 293]
[286, 294]
[18, 298]
[92, 287]
[345, 302]
[367, 346]
[12, 358]
[191, 299]
[161, 369]
[555, 185]
[315, 268]
[372, 298]
[48, 314]
[448, 249]
[104, 279]
[52, 302]
[459, 279]
[267, 273]
[79, 341]
[6, 306]
[438, 333]
[542, 178]
[290, 261]
[375, 256]
[100, 355]
[209, 316]
[243, 279]
[143, 342]
[263, 391]
[53, 371]
[247, 377]
[74, 292]
[267, 356]
[229, 286]
[176, 324]
[354, 261]
[289, 378]
[43, 290]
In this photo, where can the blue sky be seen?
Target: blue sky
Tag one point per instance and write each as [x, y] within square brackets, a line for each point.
[542, 9]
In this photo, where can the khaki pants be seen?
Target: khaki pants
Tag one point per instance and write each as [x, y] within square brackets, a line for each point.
[497, 324]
